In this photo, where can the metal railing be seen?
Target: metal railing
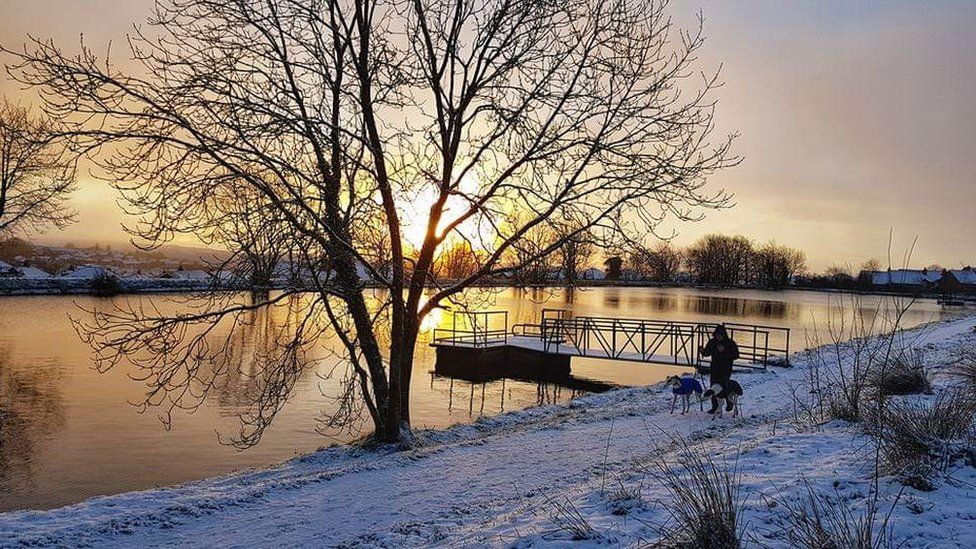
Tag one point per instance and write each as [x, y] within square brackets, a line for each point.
[633, 339]
[628, 339]
[475, 330]
[653, 340]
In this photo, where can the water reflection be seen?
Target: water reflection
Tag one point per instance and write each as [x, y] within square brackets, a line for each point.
[68, 433]
[481, 396]
[611, 298]
[32, 410]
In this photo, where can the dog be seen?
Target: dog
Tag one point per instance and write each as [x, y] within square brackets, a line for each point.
[683, 387]
[728, 398]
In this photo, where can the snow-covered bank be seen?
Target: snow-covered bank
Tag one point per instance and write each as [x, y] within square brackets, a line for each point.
[72, 286]
[496, 482]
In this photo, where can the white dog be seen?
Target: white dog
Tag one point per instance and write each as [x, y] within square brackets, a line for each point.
[728, 398]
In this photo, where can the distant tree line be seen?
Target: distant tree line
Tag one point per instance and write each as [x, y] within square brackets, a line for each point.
[713, 259]
[719, 260]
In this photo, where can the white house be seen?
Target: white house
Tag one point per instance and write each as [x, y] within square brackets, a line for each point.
[9, 271]
[33, 273]
[192, 275]
[593, 274]
[906, 277]
[6, 269]
[629, 274]
[86, 272]
[965, 276]
[555, 274]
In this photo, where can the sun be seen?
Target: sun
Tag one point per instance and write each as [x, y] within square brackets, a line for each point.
[416, 212]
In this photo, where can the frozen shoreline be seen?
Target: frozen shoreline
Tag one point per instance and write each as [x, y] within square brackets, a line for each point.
[134, 286]
[494, 482]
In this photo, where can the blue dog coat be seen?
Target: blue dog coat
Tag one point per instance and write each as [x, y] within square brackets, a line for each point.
[688, 385]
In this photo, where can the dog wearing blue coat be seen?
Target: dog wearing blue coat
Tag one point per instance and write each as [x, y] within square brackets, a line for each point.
[683, 387]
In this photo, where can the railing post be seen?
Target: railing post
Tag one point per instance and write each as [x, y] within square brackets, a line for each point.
[643, 340]
[788, 347]
[613, 338]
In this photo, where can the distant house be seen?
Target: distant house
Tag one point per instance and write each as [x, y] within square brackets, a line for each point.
[966, 277]
[629, 274]
[593, 274]
[26, 271]
[86, 272]
[906, 277]
[33, 273]
[945, 281]
[192, 275]
[555, 274]
[958, 281]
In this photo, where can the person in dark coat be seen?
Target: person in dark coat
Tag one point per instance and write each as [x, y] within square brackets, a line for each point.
[723, 351]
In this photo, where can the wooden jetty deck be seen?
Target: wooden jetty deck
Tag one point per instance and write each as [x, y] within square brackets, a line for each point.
[482, 342]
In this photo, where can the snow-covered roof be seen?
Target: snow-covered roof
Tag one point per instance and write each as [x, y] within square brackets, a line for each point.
[86, 272]
[33, 272]
[965, 276]
[594, 274]
[906, 276]
[8, 270]
[192, 274]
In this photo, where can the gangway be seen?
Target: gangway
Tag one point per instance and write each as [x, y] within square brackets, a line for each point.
[559, 335]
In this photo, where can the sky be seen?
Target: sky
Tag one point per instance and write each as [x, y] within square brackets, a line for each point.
[856, 120]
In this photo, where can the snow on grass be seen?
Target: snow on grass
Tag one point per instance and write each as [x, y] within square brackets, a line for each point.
[576, 473]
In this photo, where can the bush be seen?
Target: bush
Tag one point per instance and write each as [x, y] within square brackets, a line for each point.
[964, 370]
[706, 510]
[919, 439]
[567, 518]
[901, 374]
[625, 500]
[105, 285]
[817, 521]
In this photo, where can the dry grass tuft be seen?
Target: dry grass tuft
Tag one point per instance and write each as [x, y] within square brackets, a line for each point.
[901, 374]
[963, 370]
[919, 439]
[818, 521]
[706, 506]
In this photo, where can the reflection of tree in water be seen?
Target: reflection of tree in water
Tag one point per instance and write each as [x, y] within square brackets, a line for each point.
[655, 303]
[247, 381]
[31, 409]
[611, 298]
[246, 360]
[733, 306]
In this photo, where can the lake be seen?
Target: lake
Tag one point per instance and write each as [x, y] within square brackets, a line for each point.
[68, 433]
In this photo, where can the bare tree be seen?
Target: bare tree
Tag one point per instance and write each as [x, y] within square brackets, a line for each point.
[774, 265]
[575, 248]
[344, 115]
[661, 263]
[528, 259]
[36, 173]
[258, 239]
[720, 260]
[457, 261]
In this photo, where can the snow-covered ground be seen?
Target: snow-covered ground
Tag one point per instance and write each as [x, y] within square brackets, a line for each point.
[503, 480]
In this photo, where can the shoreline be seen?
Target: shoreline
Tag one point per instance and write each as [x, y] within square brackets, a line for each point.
[57, 286]
[487, 481]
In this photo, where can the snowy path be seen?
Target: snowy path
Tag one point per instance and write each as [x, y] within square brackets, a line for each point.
[490, 483]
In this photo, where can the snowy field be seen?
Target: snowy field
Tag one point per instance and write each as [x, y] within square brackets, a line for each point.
[526, 478]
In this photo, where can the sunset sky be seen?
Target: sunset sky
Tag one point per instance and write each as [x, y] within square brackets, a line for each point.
[856, 118]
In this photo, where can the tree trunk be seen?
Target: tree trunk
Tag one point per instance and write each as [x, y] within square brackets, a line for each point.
[397, 418]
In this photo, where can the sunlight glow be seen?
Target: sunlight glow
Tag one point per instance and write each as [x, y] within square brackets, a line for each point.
[414, 217]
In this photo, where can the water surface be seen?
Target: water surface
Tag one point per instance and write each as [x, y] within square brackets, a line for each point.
[68, 433]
